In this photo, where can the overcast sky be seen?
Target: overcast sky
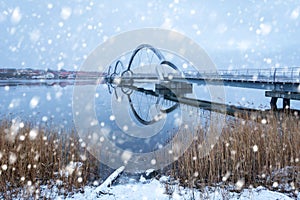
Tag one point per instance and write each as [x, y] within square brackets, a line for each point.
[59, 34]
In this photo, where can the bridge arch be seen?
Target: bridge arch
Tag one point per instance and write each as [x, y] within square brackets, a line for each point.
[156, 52]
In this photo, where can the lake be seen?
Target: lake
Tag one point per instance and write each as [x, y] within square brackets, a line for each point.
[50, 101]
[135, 119]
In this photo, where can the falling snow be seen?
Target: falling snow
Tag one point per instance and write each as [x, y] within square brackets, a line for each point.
[295, 13]
[33, 134]
[65, 13]
[255, 148]
[16, 16]
[34, 102]
[60, 36]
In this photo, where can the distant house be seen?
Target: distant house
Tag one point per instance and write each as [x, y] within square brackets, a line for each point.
[63, 74]
[49, 75]
[7, 73]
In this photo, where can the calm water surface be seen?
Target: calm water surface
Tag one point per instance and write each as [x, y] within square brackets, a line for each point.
[50, 103]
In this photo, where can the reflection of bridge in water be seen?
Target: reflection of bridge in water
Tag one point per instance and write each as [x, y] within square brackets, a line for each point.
[172, 81]
[167, 98]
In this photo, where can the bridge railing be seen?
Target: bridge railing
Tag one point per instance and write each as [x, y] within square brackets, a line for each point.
[265, 75]
[287, 75]
[248, 74]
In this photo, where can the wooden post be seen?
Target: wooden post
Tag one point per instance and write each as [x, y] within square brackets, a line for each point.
[273, 103]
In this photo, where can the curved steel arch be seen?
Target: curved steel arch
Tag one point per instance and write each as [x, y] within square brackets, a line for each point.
[108, 71]
[170, 64]
[143, 46]
[111, 75]
[118, 63]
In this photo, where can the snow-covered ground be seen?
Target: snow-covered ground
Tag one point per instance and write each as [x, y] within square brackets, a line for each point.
[141, 188]
[155, 189]
[159, 189]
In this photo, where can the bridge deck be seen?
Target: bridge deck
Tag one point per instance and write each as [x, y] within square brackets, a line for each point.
[233, 81]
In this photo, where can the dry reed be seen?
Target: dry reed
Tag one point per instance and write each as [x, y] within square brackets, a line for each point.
[247, 154]
[34, 157]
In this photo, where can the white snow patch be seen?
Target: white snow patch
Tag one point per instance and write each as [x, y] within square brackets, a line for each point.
[142, 179]
[149, 171]
[239, 184]
[154, 189]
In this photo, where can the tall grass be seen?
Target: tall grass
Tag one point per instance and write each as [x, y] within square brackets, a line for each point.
[247, 154]
[31, 157]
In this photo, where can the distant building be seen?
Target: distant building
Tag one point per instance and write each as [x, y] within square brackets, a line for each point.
[7, 73]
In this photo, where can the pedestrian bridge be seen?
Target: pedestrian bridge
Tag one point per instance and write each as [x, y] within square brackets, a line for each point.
[276, 82]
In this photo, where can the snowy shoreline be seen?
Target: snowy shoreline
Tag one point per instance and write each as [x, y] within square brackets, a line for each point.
[153, 188]
[156, 189]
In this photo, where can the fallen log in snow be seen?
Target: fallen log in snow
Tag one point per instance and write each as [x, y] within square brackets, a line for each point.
[107, 183]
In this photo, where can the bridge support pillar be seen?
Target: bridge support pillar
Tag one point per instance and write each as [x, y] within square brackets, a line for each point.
[273, 103]
[286, 103]
[286, 97]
